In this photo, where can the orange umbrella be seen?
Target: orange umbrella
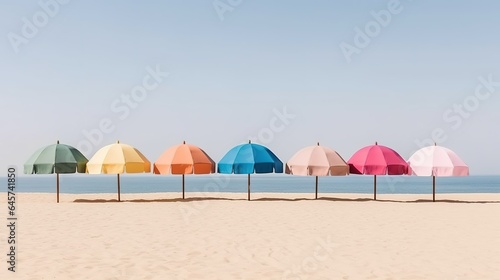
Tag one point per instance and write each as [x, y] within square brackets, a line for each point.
[184, 159]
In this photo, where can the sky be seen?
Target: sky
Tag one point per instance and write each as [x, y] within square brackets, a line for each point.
[286, 74]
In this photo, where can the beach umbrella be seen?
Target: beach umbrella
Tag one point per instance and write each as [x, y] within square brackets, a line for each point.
[184, 159]
[377, 160]
[56, 158]
[436, 161]
[317, 161]
[249, 158]
[116, 159]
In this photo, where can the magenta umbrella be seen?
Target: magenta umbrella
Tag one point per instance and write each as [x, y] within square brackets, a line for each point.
[377, 160]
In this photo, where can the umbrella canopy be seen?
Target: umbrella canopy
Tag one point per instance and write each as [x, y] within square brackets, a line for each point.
[377, 160]
[118, 158]
[436, 161]
[317, 161]
[184, 159]
[57, 158]
[249, 158]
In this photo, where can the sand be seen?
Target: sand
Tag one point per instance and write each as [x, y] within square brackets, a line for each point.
[341, 236]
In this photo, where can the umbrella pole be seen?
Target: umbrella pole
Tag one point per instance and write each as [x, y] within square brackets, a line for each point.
[57, 189]
[118, 175]
[374, 187]
[248, 187]
[316, 187]
[433, 188]
[182, 186]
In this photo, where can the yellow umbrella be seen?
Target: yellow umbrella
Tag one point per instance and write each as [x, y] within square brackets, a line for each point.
[116, 159]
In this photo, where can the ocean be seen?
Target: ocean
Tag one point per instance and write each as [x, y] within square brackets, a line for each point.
[277, 183]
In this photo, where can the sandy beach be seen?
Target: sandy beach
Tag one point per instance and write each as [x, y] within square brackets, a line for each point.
[276, 236]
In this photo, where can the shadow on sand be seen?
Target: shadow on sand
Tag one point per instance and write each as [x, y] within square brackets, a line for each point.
[155, 200]
[410, 201]
[191, 199]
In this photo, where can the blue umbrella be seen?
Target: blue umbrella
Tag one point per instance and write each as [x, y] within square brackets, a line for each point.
[249, 158]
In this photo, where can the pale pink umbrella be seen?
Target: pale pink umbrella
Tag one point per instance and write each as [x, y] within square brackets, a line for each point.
[436, 161]
[317, 161]
[377, 160]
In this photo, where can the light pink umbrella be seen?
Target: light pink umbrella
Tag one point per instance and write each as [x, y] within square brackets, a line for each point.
[317, 161]
[436, 161]
[377, 160]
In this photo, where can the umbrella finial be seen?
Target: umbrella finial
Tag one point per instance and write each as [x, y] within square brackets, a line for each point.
[435, 143]
[376, 143]
[249, 141]
[117, 141]
[184, 142]
[318, 143]
[57, 141]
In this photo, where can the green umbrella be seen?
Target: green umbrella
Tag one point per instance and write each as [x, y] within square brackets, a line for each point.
[56, 158]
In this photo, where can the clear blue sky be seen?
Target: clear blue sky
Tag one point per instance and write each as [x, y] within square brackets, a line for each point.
[227, 77]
